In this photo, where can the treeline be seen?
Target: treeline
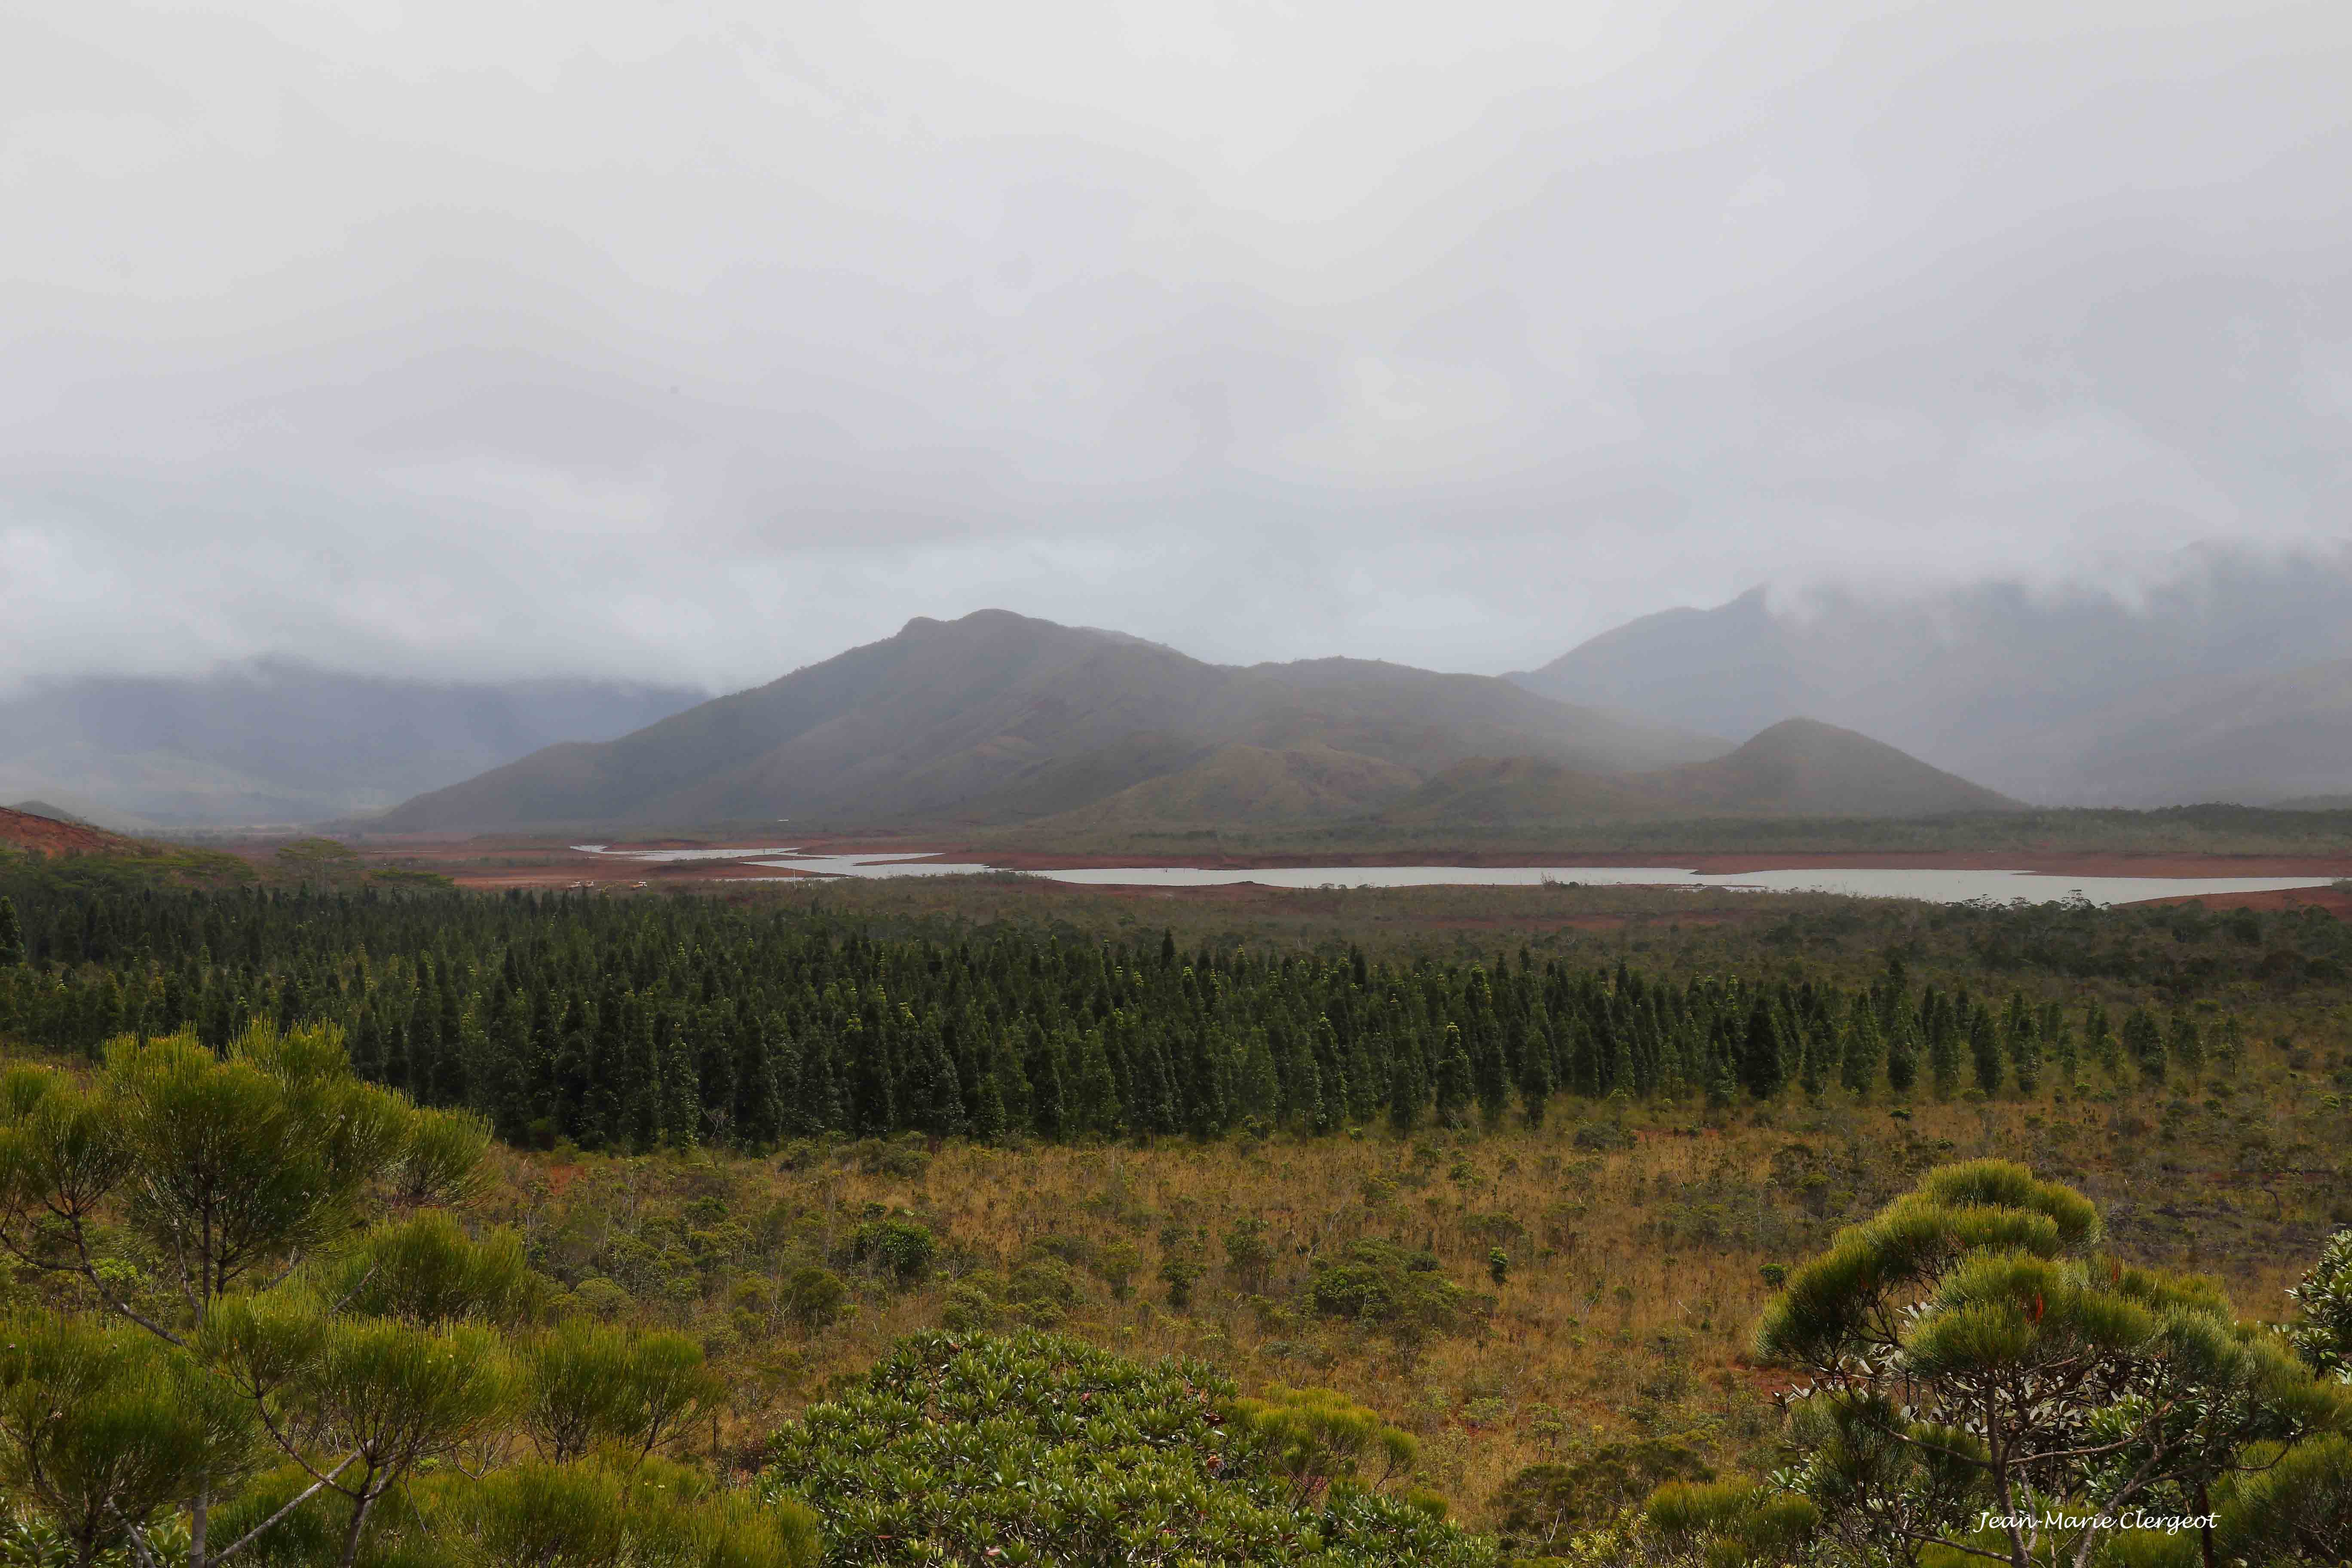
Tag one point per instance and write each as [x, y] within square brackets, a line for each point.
[651, 1022]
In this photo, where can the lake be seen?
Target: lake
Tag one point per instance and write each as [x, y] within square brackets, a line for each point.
[1942, 886]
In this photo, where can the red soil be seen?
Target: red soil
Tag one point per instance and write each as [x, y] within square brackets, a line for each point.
[2328, 898]
[45, 836]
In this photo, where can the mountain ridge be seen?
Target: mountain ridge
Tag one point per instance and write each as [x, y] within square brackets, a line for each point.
[998, 720]
[1798, 767]
[2229, 679]
[994, 712]
[277, 740]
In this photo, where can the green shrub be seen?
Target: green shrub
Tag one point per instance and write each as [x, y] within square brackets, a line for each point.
[1060, 1452]
[814, 1297]
[901, 1250]
[1381, 1283]
[1041, 1292]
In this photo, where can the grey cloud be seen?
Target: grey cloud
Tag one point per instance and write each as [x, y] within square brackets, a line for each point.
[657, 344]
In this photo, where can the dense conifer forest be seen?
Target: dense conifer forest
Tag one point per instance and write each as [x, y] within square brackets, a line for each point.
[638, 1024]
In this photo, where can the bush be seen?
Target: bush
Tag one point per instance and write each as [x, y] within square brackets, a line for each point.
[971, 1304]
[901, 1250]
[814, 1297]
[1543, 1503]
[1064, 1452]
[1378, 1282]
[1041, 1292]
[1178, 1274]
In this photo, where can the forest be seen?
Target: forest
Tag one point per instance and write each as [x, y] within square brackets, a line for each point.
[618, 1024]
[1332, 1228]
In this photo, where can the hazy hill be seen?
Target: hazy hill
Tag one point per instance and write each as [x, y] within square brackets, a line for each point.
[998, 716]
[54, 813]
[1798, 767]
[279, 742]
[2223, 681]
[1243, 785]
[2266, 738]
[46, 835]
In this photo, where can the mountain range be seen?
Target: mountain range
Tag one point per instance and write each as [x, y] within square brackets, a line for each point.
[276, 740]
[998, 719]
[2231, 679]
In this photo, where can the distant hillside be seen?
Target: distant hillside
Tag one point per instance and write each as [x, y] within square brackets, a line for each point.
[278, 741]
[46, 835]
[1798, 767]
[2266, 738]
[54, 813]
[1245, 785]
[2230, 680]
[997, 717]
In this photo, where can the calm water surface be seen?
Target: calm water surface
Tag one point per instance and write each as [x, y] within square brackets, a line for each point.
[1943, 887]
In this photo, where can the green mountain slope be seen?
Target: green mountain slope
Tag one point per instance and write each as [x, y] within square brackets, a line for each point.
[998, 716]
[1799, 767]
[1244, 785]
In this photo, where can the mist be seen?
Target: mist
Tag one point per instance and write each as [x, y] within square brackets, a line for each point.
[686, 346]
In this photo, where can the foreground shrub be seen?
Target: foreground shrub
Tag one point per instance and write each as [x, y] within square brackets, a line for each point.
[1034, 1449]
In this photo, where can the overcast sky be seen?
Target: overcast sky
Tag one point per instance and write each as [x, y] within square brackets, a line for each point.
[699, 340]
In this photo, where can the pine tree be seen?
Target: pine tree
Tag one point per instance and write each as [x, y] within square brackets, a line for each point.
[2064, 1048]
[2144, 1042]
[1453, 1086]
[1864, 1046]
[1408, 1087]
[1943, 1046]
[1046, 1103]
[1762, 1071]
[2099, 1038]
[2187, 1047]
[1902, 1056]
[2024, 1044]
[1984, 1050]
[987, 1110]
[11, 936]
[1094, 1098]
[1535, 1074]
[1258, 1087]
[1813, 1074]
[1489, 1082]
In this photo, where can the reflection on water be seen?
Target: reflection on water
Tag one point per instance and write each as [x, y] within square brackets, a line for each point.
[1943, 887]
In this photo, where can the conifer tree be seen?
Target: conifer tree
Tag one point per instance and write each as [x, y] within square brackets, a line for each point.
[2144, 1042]
[1535, 1073]
[1095, 1095]
[2099, 1039]
[2187, 1045]
[2058, 1034]
[1903, 1055]
[1984, 1050]
[2025, 1043]
[1046, 1103]
[1453, 1087]
[11, 936]
[1258, 1087]
[1943, 1044]
[1864, 1049]
[1762, 1071]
